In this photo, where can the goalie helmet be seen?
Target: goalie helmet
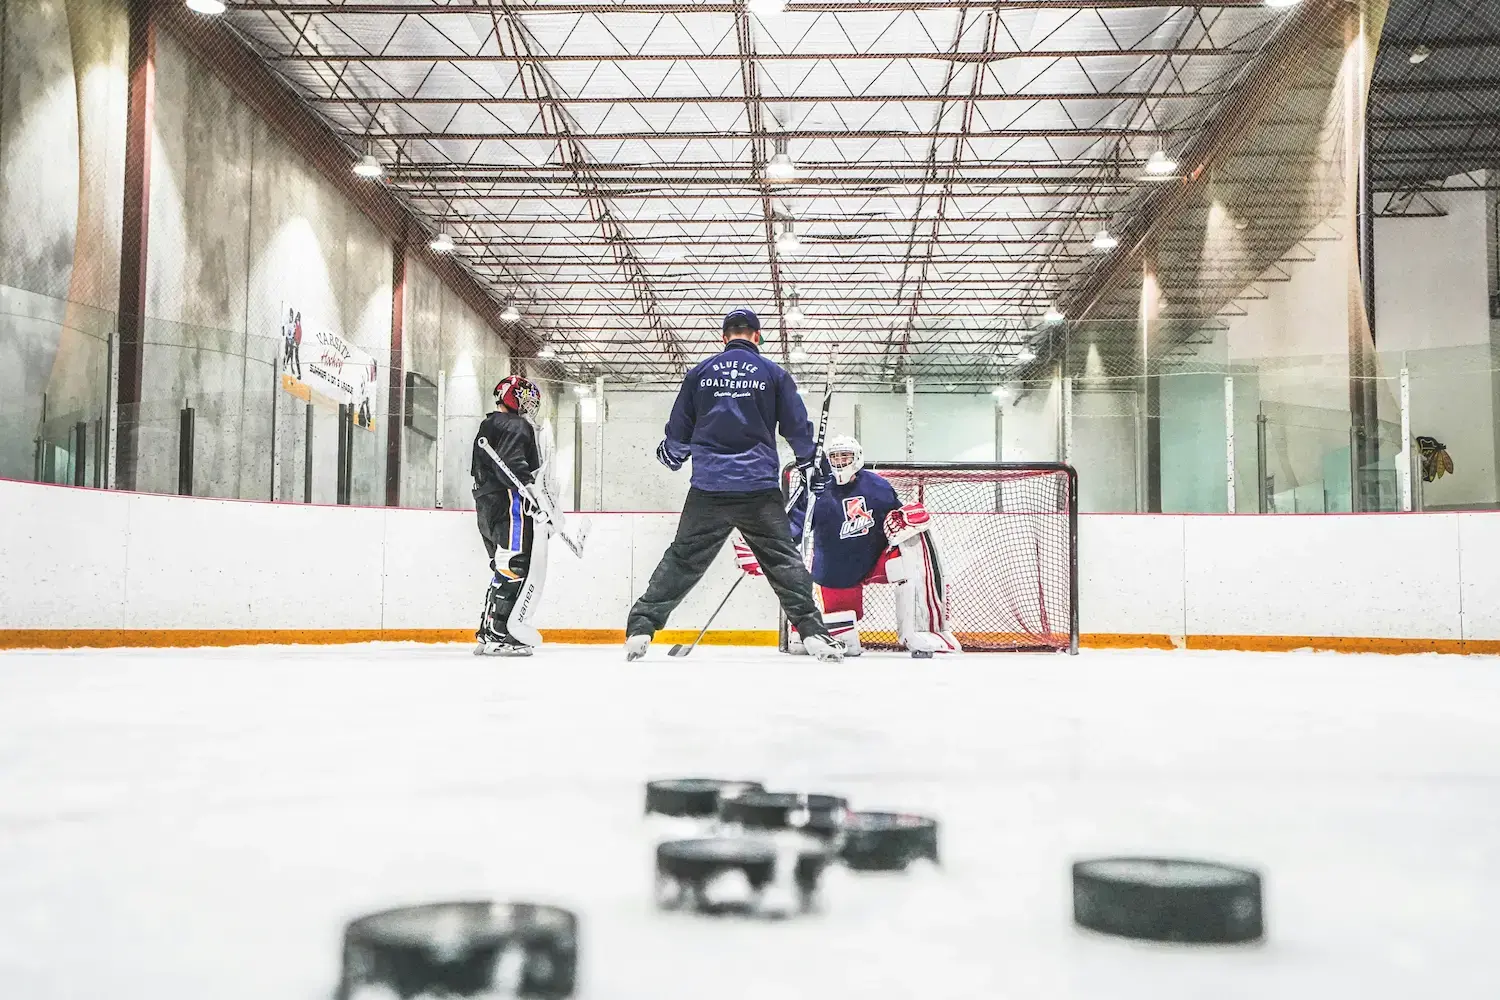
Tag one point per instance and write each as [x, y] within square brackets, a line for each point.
[845, 458]
[518, 393]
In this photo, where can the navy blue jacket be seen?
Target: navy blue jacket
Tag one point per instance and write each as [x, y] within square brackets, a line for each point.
[848, 528]
[726, 416]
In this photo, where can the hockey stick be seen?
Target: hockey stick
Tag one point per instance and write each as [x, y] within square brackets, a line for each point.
[817, 460]
[554, 517]
[683, 649]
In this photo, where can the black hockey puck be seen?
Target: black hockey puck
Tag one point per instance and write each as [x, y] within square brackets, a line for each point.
[693, 872]
[819, 815]
[1165, 899]
[462, 949]
[693, 796]
[921, 654]
[887, 842]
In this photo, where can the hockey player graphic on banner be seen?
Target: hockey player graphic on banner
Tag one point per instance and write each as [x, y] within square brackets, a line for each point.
[862, 535]
[319, 366]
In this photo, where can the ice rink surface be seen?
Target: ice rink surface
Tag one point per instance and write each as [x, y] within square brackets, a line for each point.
[199, 824]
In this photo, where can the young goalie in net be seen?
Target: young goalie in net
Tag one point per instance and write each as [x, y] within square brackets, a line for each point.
[863, 534]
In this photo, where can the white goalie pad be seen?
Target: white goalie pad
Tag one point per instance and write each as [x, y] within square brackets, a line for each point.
[530, 597]
[844, 627]
[921, 605]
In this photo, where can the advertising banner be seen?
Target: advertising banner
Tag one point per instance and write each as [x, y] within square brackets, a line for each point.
[320, 366]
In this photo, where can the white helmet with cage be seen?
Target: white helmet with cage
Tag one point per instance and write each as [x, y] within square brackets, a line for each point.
[845, 457]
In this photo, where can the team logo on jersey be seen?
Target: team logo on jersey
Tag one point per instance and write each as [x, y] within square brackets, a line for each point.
[857, 518]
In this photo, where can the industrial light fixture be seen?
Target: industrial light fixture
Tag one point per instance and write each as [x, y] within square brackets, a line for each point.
[580, 390]
[1026, 356]
[799, 353]
[1103, 241]
[781, 166]
[368, 166]
[547, 351]
[1282, 3]
[1159, 164]
[1053, 315]
[793, 312]
[1242, 223]
[213, 8]
[1002, 393]
[787, 242]
[1419, 55]
[510, 313]
[766, 8]
[442, 242]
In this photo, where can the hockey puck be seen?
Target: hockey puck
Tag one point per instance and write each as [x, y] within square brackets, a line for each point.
[818, 815]
[694, 797]
[1165, 899]
[921, 654]
[733, 874]
[461, 950]
[887, 842]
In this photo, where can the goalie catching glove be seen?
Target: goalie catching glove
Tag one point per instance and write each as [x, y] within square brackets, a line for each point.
[906, 522]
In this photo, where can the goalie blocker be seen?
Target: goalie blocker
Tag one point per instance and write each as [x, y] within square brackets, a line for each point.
[863, 534]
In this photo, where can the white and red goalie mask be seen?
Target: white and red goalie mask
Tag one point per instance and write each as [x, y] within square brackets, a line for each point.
[845, 458]
[518, 393]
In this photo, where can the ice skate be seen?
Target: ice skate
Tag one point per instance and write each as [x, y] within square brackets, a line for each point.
[636, 646]
[501, 645]
[824, 649]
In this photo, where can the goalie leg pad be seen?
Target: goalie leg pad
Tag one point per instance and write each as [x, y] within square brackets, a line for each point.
[533, 576]
[844, 626]
[921, 602]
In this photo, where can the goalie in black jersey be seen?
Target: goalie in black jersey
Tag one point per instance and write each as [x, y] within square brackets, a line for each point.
[508, 517]
[863, 534]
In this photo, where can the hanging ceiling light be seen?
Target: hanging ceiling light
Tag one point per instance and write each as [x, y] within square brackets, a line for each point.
[787, 242]
[781, 167]
[1026, 356]
[510, 313]
[766, 8]
[368, 167]
[798, 353]
[1242, 223]
[1053, 315]
[793, 312]
[442, 242]
[1419, 55]
[547, 351]
[1282, 3]
[213, 8]
[1104, 241]
[1002, 393]
[580, 390]
[1159, 164]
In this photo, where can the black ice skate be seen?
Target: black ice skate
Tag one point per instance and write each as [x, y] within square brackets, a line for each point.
[500, 645]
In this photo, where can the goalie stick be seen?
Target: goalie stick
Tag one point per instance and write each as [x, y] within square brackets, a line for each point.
[573, 541]
[683, 649]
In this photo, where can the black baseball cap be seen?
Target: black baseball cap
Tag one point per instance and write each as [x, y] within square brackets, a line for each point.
[742, 318]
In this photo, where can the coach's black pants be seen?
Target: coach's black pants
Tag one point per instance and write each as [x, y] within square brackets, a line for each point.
[707, 519]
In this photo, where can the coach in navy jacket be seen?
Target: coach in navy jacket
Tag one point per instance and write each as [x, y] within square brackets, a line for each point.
[727, 413]
[725, 420]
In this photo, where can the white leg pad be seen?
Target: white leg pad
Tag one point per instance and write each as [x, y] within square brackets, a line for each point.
[921, 604]
[530, 597]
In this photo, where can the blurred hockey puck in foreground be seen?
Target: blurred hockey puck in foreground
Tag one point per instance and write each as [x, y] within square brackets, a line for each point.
[819, 815]
[739, 875]
[887, 842]
[693, 796]
[1164, 899]
[461, 950]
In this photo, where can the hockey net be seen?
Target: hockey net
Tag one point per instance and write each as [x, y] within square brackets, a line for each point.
[1006, 535]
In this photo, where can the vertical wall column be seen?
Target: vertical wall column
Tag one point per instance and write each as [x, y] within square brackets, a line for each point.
[1364, 438]
[1150, 385]
[139, 127]
[395, 409]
